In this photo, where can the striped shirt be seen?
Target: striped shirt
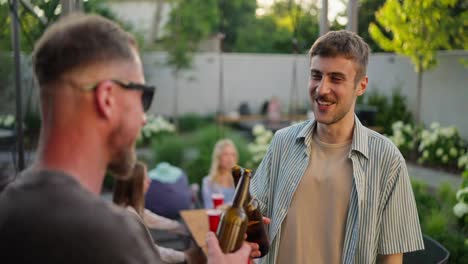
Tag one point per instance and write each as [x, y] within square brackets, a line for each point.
[382, 217]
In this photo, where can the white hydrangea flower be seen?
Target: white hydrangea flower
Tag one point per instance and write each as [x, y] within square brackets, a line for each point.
[9, 120]
[154, 125]
[453, 152]
[448, 132]
[398, 133]
[425, 135]
[461, 192]
[408, 129]
[445, 159]
[398, 125]
[422, 146]
[258, 129]
[439, 152]
[452, 131]
[434, 125]
[460, 209]
[425, 154]
[463, 161]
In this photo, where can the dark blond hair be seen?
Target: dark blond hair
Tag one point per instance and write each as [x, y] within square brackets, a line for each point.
[79, 40]
[345, 44]
[215, 169]
[130, 192]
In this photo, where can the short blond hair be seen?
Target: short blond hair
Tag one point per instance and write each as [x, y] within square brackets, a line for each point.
[346, 44]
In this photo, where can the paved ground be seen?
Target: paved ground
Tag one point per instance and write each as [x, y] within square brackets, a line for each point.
[433, 178]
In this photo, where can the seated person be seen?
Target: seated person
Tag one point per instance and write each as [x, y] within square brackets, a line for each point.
[274, 110]
[219, 180]
[169, 191]
[130, 193]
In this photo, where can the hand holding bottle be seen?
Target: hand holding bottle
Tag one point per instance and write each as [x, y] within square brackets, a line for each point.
[216, 256]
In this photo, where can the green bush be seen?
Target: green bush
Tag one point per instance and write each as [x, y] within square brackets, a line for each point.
[190, 122]
[389, 109]
[405, 137]
[441, 146]
[169, 149]
[155, 129]
[425, 201]
[192, 152]
[438, 221]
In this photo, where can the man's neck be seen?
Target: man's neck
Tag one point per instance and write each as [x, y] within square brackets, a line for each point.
[335, 133]
[71, 153]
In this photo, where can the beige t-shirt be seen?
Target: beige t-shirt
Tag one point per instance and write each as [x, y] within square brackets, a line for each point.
[314, 228]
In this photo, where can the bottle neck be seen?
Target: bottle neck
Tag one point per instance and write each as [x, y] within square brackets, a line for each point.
[242, 192]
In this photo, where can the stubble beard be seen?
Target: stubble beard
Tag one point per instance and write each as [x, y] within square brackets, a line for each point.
[122, 164]
[124, 159]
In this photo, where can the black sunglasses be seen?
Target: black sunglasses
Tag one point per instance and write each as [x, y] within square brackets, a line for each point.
[146, 97]
[148, 91]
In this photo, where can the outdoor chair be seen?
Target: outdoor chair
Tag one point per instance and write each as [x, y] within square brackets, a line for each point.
[434, 253]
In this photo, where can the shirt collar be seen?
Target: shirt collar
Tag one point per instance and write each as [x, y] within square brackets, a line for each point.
[360, 138]
[359, 142]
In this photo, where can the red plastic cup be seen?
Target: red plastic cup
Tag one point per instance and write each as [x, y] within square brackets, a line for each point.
[213, 219]
[218, 199]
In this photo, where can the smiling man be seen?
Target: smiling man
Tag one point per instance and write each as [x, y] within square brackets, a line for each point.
[336, 192]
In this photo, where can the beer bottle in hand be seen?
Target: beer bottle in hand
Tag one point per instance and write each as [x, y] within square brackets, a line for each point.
[256, 230]
[233, 224]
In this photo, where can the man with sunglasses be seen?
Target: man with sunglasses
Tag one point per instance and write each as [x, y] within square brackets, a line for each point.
[93, 103]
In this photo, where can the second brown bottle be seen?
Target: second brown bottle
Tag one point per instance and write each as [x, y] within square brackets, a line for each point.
[256, 231]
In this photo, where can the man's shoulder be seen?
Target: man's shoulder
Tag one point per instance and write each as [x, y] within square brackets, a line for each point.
[50, 211]
[379, 143]
[43, 194]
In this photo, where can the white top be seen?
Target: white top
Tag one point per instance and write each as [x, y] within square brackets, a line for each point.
[168, 255]
[155, 221]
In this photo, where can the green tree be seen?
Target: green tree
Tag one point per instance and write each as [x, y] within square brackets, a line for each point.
[190, 22]
[274, 31]
[33, 21]
[32, 28]
[367, 10]
[235, 15]
[418, 29]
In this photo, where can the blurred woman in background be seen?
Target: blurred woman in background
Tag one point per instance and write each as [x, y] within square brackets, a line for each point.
[219, 180]
[130, 194]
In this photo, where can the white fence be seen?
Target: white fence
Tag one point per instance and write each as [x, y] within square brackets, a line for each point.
[254, 78]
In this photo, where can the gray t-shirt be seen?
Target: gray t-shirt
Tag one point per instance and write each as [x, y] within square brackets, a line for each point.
[48, 217]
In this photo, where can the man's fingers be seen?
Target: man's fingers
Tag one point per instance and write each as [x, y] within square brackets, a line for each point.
[255, 253]
[266, 220]
[244, 251]
[212, 244]
[254, 246]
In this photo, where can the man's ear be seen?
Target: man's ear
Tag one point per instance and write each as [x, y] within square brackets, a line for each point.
[362, 85]
[105, 99]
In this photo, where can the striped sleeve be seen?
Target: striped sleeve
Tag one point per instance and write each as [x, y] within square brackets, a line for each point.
[260, 184]
[400, 231]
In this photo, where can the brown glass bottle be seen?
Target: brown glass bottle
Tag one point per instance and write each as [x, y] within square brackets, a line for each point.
[233, 224]
[256, 230]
